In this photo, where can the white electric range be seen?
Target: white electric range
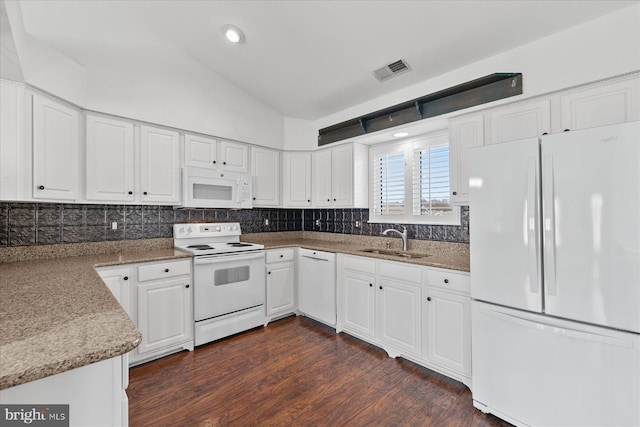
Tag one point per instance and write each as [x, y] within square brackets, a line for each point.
[228, 279]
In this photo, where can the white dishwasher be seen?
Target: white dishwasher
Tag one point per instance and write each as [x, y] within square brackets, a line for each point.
[317, 285]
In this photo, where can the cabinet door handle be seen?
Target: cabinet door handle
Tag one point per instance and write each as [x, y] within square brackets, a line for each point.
[309, 200]
[446, 280]
[130, 192]
[334, 200]
[281, 256]
[125, 278]
[371, 285]
[268, 272]
[455, 193]
[428, 298]
[166, 270]
[186, 286]
[224, 163]
[145, 193]
[254, 198]
[41, 187]
[381, 287]
[567, 130]
[214, 162]
[328, 200]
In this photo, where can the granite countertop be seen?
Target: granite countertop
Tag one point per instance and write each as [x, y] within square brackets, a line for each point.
[452, 256]
[57, 314]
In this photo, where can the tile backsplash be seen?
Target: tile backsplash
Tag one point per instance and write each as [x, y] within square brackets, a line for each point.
[47, 223]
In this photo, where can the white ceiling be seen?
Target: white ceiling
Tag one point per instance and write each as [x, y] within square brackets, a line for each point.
[307, 59]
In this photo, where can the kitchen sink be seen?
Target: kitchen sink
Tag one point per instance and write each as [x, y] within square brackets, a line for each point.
[411, 255]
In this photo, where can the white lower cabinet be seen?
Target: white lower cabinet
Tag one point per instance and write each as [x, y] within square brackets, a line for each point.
[356, 293]
[400, 322]
[280, 282]
[447, 322]
[420, 313]
[95, 394]
[158, 298]
[378, 308]
[164, 314]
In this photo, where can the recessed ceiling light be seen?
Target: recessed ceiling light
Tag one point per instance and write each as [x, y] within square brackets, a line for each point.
[400, 134]
[233, 33]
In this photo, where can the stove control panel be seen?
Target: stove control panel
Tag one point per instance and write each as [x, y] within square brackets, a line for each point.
[208, 229]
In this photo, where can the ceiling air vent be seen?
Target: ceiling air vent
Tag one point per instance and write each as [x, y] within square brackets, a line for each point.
[391, 70]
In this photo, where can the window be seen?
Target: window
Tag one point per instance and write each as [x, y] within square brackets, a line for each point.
[410, 182]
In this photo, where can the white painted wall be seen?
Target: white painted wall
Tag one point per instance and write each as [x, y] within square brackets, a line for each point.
[189, 96]
[42, 66]
[185, 95]
[297, 133]
[605, 47]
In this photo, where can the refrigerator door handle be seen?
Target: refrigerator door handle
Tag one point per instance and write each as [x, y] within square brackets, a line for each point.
[549, 243]
[532, 224]
[558, 330]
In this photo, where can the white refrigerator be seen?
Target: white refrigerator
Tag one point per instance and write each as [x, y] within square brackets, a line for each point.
[555, 278]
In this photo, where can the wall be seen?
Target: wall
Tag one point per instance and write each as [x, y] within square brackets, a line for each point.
[24, 224]
[179, 92]
[604, 47]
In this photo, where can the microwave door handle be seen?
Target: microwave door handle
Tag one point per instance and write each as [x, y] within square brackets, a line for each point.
[238, 190]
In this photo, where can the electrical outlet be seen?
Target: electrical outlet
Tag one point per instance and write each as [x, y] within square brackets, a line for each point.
[317, 223]
[114, 225]
[357, 224]
[266, 221]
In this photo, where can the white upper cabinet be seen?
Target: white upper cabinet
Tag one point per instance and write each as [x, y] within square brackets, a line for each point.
[234, 156]
[464, 133]
[600, 105]
[297, 179]
[519, 121]
[321, 168]
[205, 152]
[159, 165]
[343, 181]
[110, 158]
[56, 140]
[340, 177]
[121, 167]
[200, 151]
[12, 164]
[265, 172]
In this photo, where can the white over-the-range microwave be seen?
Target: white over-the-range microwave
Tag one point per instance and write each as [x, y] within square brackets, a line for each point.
[205, 188]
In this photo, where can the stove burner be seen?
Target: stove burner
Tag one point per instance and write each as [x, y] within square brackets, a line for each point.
[200, 247]
[239, 245]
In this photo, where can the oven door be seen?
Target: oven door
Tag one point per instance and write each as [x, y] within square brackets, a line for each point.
[227, 283]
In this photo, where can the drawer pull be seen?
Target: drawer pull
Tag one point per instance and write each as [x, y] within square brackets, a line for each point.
[166, 270]
[428, 298]
[125, 278]
[187, 286]
[446, 280]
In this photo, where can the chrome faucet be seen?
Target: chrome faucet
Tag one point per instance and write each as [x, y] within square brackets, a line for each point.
[402, 234]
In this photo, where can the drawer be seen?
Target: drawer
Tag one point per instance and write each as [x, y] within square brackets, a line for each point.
[365, 265]
[280, 255]
[164, 270]
[449, 280]
[400, 271]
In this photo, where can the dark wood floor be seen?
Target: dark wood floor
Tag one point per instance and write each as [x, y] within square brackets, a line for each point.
[295, 372]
